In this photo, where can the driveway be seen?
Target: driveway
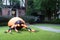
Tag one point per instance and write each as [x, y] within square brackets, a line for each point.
[48, 28]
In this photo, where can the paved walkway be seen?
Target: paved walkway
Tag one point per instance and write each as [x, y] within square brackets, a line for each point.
[48, 28]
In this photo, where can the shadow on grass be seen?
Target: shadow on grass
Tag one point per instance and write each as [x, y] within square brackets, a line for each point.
[21, 30]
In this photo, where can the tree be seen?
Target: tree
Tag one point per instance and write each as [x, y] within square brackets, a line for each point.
[14, 3]
[33, 6]
[48, 6]
[29, 7]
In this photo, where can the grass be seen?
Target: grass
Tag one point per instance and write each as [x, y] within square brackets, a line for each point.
[25, 35]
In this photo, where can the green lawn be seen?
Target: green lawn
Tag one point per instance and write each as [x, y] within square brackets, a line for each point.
[25, 35]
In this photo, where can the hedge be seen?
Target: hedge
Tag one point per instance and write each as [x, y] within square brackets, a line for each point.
[4, 19]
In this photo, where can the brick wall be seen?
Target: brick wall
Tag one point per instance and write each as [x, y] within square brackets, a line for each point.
[5, 11]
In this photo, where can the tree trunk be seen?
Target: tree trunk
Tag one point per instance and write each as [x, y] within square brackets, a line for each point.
[55, 14]
[48, 14]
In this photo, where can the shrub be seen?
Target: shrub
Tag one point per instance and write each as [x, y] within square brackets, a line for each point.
[4, 19]
[29, 19]
[56, 21]
[3, 24]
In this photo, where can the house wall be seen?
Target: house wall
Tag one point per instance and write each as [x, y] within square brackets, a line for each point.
[5, 11]
[21, 12]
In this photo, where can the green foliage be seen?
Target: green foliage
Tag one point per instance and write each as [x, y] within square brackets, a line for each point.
[42, 4]
[30, 7]
[56, 21]
[0, 3]
[4, 20]
[29, 19]
[48, 6]
[3, 24]
[15, 3]
[37, 4]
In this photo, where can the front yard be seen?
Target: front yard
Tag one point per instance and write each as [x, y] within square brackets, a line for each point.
[25, 35]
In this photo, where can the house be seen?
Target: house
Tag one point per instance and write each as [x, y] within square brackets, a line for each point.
[13, 10]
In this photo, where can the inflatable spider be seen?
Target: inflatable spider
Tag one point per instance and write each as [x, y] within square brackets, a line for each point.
[17, 23]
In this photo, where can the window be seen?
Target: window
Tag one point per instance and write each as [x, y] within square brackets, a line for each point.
[22, 3]
[6, 2]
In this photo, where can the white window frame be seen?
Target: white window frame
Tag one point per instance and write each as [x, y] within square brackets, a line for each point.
[6, 2]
